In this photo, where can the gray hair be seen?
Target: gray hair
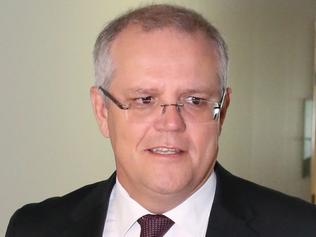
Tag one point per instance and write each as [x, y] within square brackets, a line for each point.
[150, 18]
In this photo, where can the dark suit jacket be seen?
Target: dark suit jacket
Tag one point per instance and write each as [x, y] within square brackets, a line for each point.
[240, 209]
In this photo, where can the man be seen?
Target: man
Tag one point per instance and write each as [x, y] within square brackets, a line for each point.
[161, 98]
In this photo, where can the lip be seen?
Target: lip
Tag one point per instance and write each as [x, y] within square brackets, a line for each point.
[165, 150]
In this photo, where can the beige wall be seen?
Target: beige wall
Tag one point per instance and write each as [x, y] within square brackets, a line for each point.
[313, 163]
[50, 144]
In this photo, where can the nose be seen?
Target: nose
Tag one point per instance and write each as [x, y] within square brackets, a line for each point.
[170, 118]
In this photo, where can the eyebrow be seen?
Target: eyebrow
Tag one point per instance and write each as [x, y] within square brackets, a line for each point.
[205, 91]
[155, 91]
[142, 91]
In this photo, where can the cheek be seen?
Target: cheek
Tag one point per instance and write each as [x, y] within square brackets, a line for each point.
[204, 144]
[125, 137]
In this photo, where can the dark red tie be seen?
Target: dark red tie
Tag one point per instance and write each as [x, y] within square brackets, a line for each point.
[154, 225]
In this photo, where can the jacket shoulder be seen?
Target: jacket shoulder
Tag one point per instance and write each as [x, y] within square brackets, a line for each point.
[53, 214]
[273, 212]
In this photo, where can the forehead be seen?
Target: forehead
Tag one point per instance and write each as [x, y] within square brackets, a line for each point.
[163, 56]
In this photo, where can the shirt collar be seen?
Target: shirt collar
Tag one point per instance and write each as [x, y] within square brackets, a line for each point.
[192, 215]
[189, 215]
[127, 210]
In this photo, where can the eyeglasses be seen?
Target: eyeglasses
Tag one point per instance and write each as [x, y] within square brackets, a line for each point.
[148, 108]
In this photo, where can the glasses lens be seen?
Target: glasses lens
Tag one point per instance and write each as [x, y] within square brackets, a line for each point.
[189, 113]
[148, 109]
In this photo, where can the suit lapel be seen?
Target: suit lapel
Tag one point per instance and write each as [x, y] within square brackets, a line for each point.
[88, 218]
[223, 224]
[230, 215]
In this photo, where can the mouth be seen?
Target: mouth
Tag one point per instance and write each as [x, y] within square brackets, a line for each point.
[165, 150]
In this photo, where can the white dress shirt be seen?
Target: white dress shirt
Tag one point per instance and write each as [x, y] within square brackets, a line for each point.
[190, 217]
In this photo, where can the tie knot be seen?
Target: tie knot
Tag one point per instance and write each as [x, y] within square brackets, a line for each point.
[154, 225]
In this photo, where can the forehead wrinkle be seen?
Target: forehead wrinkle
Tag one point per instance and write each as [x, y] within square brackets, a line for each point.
[204, 90]
[177, 92]
[139, 90]
[168, 68]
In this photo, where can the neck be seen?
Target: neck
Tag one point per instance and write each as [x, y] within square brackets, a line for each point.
[159, 204]
[156, 202]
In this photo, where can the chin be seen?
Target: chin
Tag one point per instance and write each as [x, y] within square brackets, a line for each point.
[171, 184]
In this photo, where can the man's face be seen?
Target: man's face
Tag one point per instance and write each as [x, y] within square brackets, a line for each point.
[166, 64]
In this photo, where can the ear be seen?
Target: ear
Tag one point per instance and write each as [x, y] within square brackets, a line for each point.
[100, 110]
[225, 106]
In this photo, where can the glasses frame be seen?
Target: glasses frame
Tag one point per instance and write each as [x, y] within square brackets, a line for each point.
[216, 109]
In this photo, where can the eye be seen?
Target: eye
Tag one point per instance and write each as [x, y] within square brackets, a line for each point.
[144, 100]
[193, 100]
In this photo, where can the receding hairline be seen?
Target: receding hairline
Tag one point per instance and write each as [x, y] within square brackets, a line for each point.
[134, 31]
[137, 30]
[155, 17]
[163, 15]
[158, 16]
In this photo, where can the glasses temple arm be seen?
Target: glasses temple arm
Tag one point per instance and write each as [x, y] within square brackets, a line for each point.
[115, 101]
